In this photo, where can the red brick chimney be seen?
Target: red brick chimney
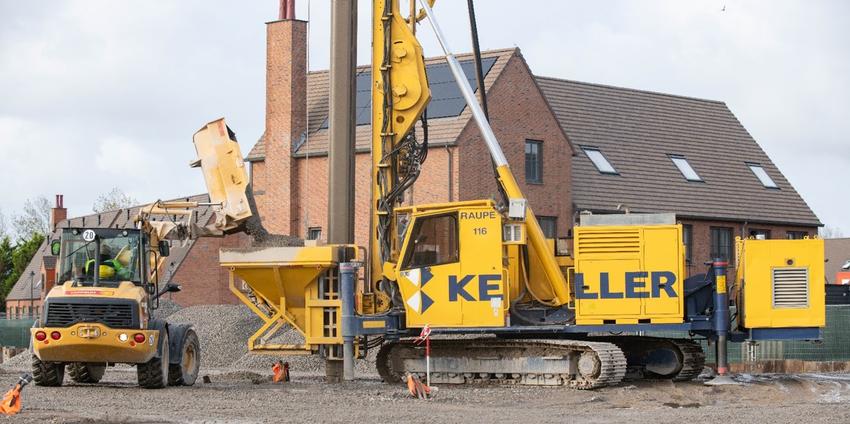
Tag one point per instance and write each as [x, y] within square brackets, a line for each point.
[286, 120]
[58, 213]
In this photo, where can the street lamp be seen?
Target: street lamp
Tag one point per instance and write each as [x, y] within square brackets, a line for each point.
[32, 301]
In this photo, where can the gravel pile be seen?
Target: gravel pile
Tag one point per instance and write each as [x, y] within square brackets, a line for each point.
[20, 361]
[223, 331]
[166, 308]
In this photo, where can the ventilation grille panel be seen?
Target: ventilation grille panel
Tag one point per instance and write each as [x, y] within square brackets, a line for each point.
[608, 242]
[790, 287]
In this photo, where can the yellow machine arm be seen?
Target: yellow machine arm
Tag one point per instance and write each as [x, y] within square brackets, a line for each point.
[399, 99]
[398, 68]
[220, 159]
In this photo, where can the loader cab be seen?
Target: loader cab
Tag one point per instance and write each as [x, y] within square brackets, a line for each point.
[101, 256]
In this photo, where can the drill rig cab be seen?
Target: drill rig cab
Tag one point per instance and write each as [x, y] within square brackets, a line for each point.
[103, 309]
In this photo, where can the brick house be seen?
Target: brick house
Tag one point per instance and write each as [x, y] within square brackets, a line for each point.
[289, 163]
[651, 152]
[575, 148]
[837, 260]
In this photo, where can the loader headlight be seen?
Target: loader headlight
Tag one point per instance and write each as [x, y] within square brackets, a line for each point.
[123, 337]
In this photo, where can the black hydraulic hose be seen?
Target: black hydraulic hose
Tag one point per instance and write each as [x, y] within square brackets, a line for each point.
[476, 49]
[482, 93]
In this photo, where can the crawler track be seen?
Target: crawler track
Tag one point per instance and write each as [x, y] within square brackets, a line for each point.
[573, 363]
[661, 358]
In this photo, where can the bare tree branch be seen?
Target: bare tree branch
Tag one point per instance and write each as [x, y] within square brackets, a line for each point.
[35, 218]
[830, 232]
[112, 200]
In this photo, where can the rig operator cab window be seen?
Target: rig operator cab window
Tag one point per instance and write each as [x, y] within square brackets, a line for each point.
[113, 254]
[434, 242]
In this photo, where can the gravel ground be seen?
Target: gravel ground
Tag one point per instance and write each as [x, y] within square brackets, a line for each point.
[248, 397]
[241, 391]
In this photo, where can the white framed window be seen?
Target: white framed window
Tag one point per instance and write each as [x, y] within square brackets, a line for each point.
[533, 162]
[314, 233]
[599, 161]
[761, 174]
[685, 168]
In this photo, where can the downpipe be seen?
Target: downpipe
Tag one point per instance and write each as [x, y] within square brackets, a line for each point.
[347, 278]
[720, 320]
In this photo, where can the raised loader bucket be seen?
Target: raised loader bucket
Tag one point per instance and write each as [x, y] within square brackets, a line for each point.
[290, 285]
[223, 166]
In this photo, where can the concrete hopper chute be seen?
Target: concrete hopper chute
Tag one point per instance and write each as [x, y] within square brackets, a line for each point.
[297, 286]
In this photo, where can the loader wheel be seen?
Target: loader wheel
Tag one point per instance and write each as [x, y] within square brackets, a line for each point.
[47, 374]
[186, 372]
[153, 374]
[82, 372]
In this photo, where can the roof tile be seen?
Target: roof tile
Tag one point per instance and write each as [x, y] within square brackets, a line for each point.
[636, 131]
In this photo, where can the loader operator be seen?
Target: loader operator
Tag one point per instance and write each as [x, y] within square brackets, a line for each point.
[110, 265]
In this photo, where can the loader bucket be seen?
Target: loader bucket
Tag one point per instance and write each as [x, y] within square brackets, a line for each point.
[297, 286]
[221, 160]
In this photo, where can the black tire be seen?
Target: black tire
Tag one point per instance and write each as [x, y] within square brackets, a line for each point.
[82, 372]
[154, 373]
[47, 374]
[186, 372]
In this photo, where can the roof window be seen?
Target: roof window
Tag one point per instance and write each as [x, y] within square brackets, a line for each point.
[761, 174]
[599, 160]
[685, 168]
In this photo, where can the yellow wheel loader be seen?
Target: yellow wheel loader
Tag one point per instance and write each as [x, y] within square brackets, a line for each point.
[103, 310]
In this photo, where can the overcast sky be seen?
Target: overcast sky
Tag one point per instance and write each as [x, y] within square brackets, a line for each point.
[96, 94]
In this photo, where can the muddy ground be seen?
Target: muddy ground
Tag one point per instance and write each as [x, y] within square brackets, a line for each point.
[248, 397]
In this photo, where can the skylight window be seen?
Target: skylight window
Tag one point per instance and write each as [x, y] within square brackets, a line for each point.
[761, 174]
[685, 168]
[846, 266]
[599, 160]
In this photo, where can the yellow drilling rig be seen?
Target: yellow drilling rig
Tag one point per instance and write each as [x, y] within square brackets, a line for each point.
[481, 268]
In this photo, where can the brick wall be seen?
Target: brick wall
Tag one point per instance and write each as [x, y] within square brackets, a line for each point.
[21, 308]
[286, 95]
[202, 279]
[310, 198]
[518, 111]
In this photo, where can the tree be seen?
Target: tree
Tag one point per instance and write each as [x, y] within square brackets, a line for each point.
[830, 232]
[21, 255]
[35, 218]
[4, 229]
[6, 252]
[114, 199]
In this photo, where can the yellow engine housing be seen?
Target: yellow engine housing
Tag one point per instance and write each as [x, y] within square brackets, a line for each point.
[631, 274]
[780, 283]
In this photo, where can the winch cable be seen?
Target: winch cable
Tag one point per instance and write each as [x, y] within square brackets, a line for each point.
[482, 92]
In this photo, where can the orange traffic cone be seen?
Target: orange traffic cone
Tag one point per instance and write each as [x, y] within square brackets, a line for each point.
[281, 372]
[416, 388]
[11, 403]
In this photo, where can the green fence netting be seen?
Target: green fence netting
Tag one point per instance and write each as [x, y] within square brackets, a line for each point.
[15, 332]
[834, 347]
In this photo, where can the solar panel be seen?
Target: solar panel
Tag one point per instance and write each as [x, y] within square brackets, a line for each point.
[446, 98]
